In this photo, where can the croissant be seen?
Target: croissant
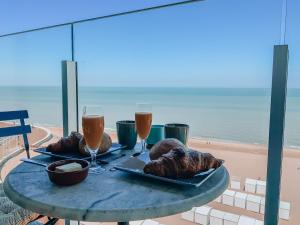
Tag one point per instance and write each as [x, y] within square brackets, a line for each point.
[179, 163]
[66, 144]
[163, 147]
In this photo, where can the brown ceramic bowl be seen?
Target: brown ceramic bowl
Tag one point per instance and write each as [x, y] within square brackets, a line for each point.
[67, 178]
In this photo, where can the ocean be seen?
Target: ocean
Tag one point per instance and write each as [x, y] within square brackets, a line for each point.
[233, 114]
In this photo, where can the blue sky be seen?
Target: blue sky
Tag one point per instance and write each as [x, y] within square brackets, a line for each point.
[206, 44]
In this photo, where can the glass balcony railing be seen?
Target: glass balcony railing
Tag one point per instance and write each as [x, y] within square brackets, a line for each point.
[292, 131]
[31, 73]
[196, 64]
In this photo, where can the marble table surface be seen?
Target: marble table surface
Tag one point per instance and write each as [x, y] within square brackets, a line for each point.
[112, 196]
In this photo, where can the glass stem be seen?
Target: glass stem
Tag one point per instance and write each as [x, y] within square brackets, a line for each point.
[143, 142]
[93, 156]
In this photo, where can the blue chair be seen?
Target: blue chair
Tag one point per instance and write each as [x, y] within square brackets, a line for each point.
[10, 213]
[21, 129]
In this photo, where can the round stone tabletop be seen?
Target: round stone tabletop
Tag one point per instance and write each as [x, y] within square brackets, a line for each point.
[112, 196]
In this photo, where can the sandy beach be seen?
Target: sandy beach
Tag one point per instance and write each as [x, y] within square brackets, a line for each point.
[241, 160]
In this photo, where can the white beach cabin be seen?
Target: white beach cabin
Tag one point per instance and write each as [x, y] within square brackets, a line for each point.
[253, 203]
[235, 183]
[216, 217]
[139, 222]
[189, 215]
[244, 220]
[231, 219]
[228, 197]
[250, 185]
[284, 210]
[262, 205]
[202, 215]
[261, 187]
[150, 222]
[259, 222]
[240, 200]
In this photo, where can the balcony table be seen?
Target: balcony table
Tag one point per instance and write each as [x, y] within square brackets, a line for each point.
[112, 196]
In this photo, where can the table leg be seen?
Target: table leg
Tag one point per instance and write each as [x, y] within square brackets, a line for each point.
[123, 223]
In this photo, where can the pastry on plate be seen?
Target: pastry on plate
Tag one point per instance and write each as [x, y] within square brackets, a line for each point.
[181, 163]
[164, 146]
[66, 144]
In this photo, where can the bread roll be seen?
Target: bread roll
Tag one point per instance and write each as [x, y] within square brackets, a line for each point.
[164, 146]
[106, 143]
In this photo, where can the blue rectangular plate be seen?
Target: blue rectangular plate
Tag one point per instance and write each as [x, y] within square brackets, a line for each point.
[135, 166]
[77, 155]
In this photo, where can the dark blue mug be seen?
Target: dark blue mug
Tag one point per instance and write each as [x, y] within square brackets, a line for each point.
[157, 133]
[126, 133]
[177, 130]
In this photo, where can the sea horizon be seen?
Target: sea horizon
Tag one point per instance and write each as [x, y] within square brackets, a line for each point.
[233, 114]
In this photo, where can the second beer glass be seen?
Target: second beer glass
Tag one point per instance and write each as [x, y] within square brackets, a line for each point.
[143, 121]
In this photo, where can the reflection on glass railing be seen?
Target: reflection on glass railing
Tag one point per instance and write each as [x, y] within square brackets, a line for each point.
[31, 73]
[221, 113]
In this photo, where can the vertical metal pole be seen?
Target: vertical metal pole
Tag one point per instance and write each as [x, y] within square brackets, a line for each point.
[70, 92]
[276, 133]
[69, 97]
[73, 59]
[72, 41]
[283, 22]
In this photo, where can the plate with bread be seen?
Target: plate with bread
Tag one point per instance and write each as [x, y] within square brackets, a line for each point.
[171, 161]
[73, 147]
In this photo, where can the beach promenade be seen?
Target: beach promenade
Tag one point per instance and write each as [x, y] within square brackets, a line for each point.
[241, 160]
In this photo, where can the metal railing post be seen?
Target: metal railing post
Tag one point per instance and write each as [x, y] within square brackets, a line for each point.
[69, 97]
[276, 133]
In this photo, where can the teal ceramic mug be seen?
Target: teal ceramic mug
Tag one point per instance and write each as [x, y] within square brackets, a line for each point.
[126, 133]
[177, 130]
[157, 133]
